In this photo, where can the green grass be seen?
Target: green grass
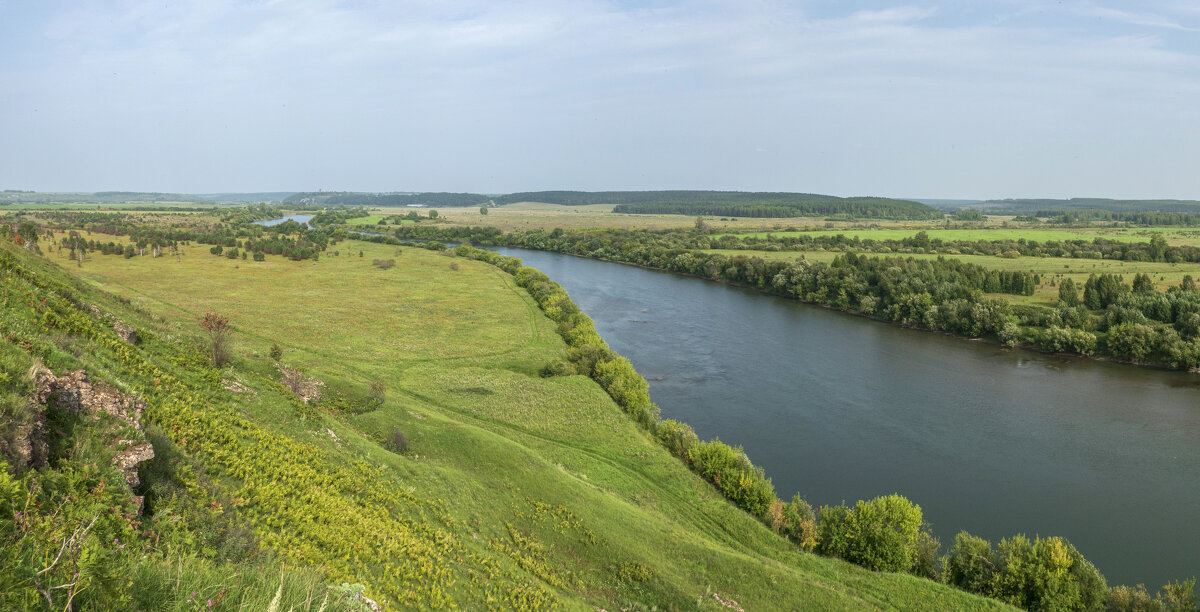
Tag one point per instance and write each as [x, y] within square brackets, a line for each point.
[519, 486]
[368, 220]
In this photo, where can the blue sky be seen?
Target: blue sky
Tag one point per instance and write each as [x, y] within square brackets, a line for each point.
[982, 99]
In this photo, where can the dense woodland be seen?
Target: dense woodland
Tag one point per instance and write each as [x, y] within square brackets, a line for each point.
[785, 205]
[1026, 206]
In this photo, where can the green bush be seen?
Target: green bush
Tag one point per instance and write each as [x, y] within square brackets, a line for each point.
[882, 533]
[1038, 574]
[679, 438]
[730, 469]
[800, 523]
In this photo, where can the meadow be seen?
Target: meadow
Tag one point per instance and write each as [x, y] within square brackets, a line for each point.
[515, 491]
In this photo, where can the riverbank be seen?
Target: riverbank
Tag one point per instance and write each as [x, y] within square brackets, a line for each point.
[840, 407]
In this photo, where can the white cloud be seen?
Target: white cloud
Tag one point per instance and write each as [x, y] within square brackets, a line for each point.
[493, 96]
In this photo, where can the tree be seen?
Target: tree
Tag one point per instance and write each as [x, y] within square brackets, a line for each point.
[800, 523]
[1187, 283]
[28, 234]
[1068, 293]
[971, 564]
[433, 214]
[483, 210]
[1142, 283]
[217, 327]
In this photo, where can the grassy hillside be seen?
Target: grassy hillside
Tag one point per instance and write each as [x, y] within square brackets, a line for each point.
[510, 490]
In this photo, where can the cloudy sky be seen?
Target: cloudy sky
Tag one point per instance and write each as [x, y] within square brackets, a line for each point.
[981, 99]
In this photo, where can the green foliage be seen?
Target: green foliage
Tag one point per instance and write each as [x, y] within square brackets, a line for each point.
[731, 471]
[1042, 574]
[882, 533]
[679, 438]
[800, 523]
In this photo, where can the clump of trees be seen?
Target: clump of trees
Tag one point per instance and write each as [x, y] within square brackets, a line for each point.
[1038, 574]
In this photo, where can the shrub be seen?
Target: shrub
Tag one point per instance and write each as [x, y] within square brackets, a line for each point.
[831, 531]
[882, 533]
[397, 442]
[800, 523]
[217, 327]
[740, 481]
[679, 438]
[216, 250]
[383, 264]
[558, 367]
[971, 564]
[276, 352]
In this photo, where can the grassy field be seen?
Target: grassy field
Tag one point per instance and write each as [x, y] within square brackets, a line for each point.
[533, 215]
[528, 491]
[1050, 268]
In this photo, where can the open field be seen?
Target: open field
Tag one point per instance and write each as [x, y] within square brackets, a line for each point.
[533, 215]
[542, 483]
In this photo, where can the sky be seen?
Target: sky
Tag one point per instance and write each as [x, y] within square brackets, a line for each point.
[981, 99]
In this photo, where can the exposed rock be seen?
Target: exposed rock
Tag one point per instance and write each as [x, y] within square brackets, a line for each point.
[128, 460]
[73, 392]
[236, 386]
[125, 331]
[305, 388]
[728, 603]
[26, 446]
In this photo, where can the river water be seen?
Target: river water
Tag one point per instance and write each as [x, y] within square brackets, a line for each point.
[302, 219]
[990, 440]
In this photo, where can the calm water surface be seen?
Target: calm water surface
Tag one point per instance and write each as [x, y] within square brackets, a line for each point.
[296, 218]
[986, 439]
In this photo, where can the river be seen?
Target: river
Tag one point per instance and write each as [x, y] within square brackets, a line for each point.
[301, 219]
[986, 439]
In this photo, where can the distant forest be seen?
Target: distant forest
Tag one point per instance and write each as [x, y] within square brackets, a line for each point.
[1055, 207]
[726, 203]
[99, 197]
[784, 205]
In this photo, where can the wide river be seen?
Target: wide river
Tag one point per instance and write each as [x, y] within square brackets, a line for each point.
[986, 439]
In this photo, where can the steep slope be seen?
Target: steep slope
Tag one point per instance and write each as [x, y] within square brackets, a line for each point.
[437, 468]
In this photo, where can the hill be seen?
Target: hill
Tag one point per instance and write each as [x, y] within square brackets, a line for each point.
[98, 197]
[399, 445]
[729, 203]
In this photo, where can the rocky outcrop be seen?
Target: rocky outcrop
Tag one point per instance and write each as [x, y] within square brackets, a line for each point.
[305, 388]
[124, 330]
[23, 444]
[73, 392]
